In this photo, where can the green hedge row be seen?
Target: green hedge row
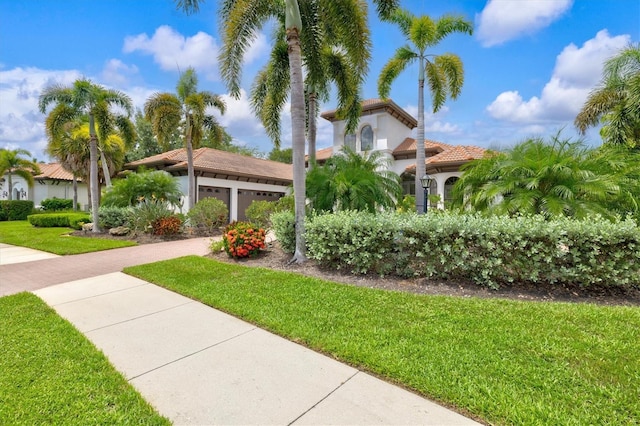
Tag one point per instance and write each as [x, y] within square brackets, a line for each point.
[488, 250]
[15, 209]
[63, 220]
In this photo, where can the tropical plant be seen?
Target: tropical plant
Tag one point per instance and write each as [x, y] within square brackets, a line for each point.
[560, 178]
[243, 239]
[144, 185]
[208, 215]
[243, 19]
[85, 98]
[187, 109]
[349, 181]
[444, 73]
[615, 102]
[12, 162]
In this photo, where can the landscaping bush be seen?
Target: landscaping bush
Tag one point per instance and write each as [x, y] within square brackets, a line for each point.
[112, 217]
[147, 213]
[488, 250]
[59, 220]
[170, 225]
[15, 209]
[56, 204]
[243, 239]
[207, 215]
[284, 226]
[146, 185]
[259, 212]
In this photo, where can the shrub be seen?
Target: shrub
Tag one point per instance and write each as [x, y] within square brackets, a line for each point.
[207, 215]
[59, 220]
[146, 213]
[147, 185]
[112, 217]
[170, 225]
[56, 204]
[284, 226]
[15, 209]
[216, 246]
[243, 239]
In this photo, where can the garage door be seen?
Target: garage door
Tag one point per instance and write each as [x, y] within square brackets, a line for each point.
[222, 194]
[247, 196]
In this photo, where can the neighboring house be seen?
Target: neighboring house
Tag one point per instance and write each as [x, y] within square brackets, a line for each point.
[386, 127]
[53, 181]
[235, 179]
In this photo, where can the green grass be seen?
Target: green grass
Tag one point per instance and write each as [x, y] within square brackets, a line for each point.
[506, 362]
[54, 240]
[51, 374]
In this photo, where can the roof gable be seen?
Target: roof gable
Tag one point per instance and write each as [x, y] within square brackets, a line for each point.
[377, 106]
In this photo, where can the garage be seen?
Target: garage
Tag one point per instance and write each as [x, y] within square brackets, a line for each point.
[222, 194]
[247, 196]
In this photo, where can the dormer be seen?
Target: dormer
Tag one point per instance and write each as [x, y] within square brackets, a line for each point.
[383, 125]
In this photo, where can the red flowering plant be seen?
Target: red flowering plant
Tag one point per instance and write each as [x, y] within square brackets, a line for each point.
[243, 239]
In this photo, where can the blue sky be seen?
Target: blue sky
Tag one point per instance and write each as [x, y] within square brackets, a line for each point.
[528, 67]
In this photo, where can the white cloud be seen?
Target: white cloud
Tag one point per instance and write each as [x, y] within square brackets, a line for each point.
[434, 123]
[21, 123]
[117, 73]
[504, 20]
[576, 73]
[173, 51]
[258, 48]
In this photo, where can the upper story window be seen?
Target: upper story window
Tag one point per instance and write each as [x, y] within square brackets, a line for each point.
[366, 138]
[350, 141]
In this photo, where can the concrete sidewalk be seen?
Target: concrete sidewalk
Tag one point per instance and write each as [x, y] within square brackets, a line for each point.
[16, 254]
[199, 366]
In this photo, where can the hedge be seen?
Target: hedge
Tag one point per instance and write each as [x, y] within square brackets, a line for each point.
[63, 220]
[491, 250]
[15, 209]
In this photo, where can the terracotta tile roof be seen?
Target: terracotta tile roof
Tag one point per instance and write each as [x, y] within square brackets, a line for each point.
[408, 146]
[456, 155]
[373, 106]
[219, 162]
[53, 171]
[322, 155]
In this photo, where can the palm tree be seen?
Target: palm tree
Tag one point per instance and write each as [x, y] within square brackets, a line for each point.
[301, 19]
[444, 73]
[561, 178]
[187, 109]
[349, 181]
[12, 162]
[616, 101]
[80, 99]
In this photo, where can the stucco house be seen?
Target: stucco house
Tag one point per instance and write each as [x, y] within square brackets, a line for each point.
[53, 181]
[235, 179]
[387, 128]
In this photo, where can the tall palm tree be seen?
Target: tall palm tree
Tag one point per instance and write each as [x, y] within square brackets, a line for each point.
[350, 181]
[188, 109]
[12, 162]
[560, 178]
[92, 100]
[444, 73]
[616, 101]
[243, 19]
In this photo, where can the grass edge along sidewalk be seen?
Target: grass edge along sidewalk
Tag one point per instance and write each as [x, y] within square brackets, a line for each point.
[501, 361]
[51, 374]
[54, 240]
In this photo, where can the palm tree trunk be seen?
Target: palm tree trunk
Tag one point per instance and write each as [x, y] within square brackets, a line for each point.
[10, 191]
[93, 174]
[420, 156]
[312, 129]
[75, 192]
[190, 171]
[105, 169]
[297, 130]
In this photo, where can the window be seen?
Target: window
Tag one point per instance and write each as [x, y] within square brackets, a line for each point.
[350, 141]
[448, 188]
[366, 138]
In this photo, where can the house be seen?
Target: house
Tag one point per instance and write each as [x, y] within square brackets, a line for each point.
[53, 181]
[235, 179]
[387, 128]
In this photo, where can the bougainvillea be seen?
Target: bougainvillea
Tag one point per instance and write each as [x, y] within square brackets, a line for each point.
[243, 239]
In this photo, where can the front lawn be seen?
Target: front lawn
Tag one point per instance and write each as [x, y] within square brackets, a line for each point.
[54, 240]
[506, 362]
[51, 374]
